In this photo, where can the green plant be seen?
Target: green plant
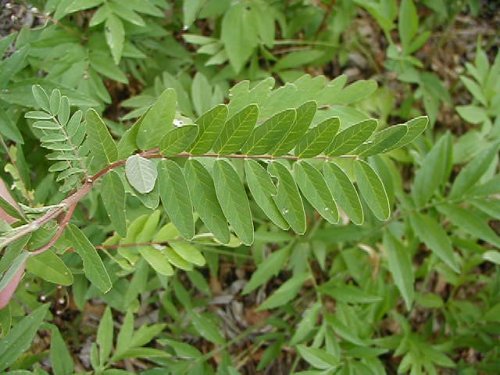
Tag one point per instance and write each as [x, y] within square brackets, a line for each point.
[177, 196]
[217, 143]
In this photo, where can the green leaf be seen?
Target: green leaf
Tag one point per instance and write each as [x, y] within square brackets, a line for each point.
[115, 36]
[8, 127]
[472, 113]
[239, 34]
[93, 266]
[372, 189]
[307, 324]
[356, 92]
[14, 250]
[207, 328]
[64, 111]
[470, 222]
[415, 127]
[233, 200]
[263, 138]
[209, 127]
[285, 293]
[127, 143]
[39, 115]
[318, 138]
[158, 120]
[433, 172]
[314, 188]
[492, 256]
[133, 230]
[105, 336]
[18, 263]
[269, 267]
[124, 11]
[20, 336]
[141, 173]
[178, 140]
[148, 230]
[347, 293]
[343, 192]
[304, 117]
[50, 267]
[182, 349]
[41, 98]
[60, 357]
[13, 64]
[113, 197]
[435, 238]
[101, 144]
[175, 197]
[166, 233]
[350, 138]
[489, 206]
[298, 58]
[124, 338]
[473, 171]
[190, 9]
[78, 5]
[9, 208]
[262, 189]
[188, 252]
[318, 358]
[475, 90]
[344, 331]
[177, 260]
[141, 352]
[408, 22]
[382, 141]
[400, 267]
[288, 198]
[204, 198]
[157, 260]
[201, 93]
[236, 130]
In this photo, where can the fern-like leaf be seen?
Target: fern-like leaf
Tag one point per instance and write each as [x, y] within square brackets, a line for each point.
[62, 134]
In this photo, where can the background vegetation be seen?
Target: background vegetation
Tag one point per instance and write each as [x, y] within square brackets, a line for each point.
[414, 291]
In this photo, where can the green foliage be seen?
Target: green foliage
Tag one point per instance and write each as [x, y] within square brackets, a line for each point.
[19, 338]
[61, 134]
[92, 264]
[203, 165]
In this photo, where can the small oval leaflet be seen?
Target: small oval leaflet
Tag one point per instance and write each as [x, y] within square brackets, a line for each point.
[141, 173]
